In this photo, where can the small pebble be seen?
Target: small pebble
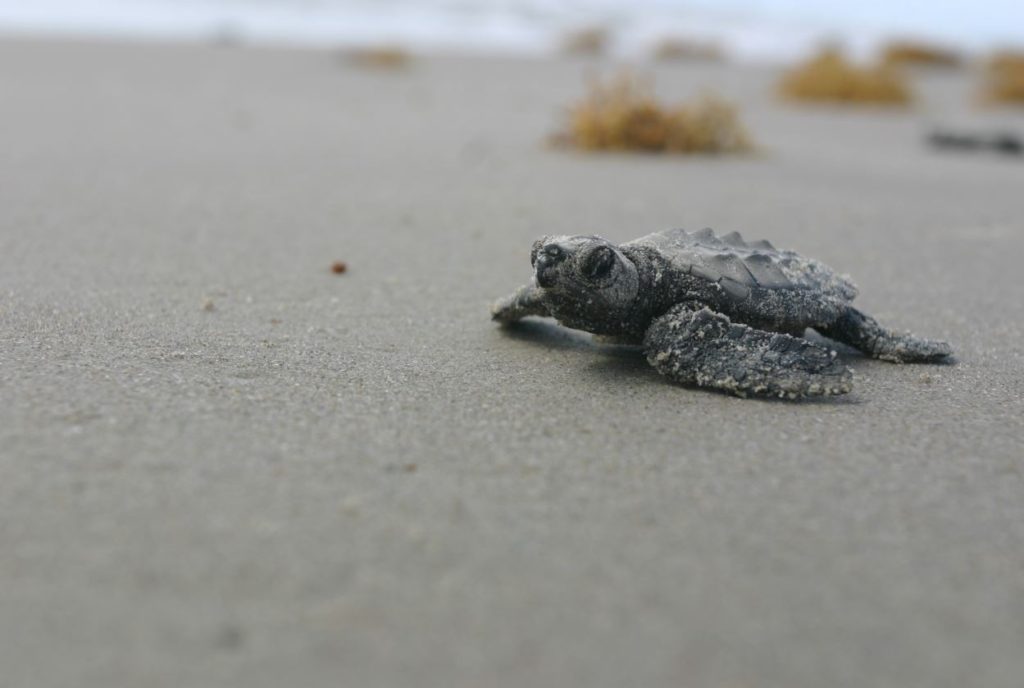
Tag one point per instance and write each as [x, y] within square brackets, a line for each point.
[339, 267]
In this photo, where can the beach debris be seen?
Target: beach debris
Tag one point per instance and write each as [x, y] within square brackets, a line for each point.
[711, 310]
[588, 41]
[910, 53]
[1006, 143]
[339, 267]
[677, 49]
[1005, 62]
[623, 115]
[1004, 81]
[380, 57]
[1006, 59]
[230, 637]
[829, 77]
[207, 305]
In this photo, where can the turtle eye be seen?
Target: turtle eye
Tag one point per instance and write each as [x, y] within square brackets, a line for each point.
[599, 263]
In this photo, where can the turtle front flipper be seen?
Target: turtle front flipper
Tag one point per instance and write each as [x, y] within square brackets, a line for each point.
[695, 345]
[863, 332]
[525, 301]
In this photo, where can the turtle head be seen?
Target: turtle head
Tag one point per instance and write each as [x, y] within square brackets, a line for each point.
[586, 282]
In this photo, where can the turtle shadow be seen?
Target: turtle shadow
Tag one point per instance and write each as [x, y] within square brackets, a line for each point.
[547, 334]
[621, 361]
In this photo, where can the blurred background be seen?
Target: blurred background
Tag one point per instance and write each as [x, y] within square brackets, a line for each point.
[746, 29]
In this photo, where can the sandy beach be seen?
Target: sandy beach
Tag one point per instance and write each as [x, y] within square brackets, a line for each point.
[223, 465]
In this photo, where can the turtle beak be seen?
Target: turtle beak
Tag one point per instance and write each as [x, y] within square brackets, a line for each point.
[544, 276]
[544, 265]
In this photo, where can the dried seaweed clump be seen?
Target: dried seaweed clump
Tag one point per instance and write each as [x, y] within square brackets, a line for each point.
[381, 57]
[682, 49]
[829, 77]
[917, 54]
[590, 41]
[1006, 59]
[624, 115]
[1005, 78]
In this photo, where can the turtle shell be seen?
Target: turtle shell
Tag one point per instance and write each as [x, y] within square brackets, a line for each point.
[754, 278]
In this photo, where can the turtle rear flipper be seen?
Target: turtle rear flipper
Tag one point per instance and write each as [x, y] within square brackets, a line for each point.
[695, 345]
[863, 332]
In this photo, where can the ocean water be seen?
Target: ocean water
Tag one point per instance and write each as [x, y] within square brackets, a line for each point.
[747, 29]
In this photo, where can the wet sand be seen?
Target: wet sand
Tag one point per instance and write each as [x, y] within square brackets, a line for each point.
[221, 464]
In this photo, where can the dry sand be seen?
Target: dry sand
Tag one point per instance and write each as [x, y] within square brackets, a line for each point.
[223, 465]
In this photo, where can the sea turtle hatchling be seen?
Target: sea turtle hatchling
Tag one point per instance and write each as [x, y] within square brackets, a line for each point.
[711, 311]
